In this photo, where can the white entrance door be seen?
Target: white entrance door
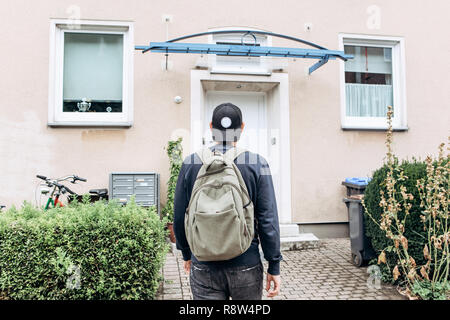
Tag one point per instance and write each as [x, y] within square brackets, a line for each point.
[263, 110]
[255, 137]
[254, 115]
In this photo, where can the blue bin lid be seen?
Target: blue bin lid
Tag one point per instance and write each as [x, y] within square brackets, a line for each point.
[358, 181]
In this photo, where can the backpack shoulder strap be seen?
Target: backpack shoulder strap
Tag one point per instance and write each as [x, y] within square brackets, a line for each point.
[233, 153]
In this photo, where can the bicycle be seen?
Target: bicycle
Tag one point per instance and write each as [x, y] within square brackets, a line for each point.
[59, 189]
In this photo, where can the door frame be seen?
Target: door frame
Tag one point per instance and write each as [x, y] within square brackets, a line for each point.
[279, 100]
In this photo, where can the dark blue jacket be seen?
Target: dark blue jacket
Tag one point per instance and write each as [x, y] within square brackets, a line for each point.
[256, 174]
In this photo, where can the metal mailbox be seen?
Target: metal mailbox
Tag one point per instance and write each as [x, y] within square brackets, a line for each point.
[144, 185]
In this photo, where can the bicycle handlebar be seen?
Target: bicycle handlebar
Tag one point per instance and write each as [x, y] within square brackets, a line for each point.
[73, 177]
[67, 189]
[79, 178]
[61, 187]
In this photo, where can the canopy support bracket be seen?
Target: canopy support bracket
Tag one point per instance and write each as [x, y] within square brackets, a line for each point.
[318, 64]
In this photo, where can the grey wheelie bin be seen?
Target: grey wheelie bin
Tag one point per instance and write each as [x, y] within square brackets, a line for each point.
[361, 246]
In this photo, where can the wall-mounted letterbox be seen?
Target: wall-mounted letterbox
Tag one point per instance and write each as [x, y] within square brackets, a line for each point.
[144, 185]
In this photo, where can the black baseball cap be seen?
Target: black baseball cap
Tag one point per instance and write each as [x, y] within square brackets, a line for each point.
[227, 116]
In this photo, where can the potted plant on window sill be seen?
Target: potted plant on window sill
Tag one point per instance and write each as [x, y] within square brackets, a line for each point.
[175, 153]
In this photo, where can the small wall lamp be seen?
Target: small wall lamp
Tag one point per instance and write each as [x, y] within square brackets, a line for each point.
[177, 99]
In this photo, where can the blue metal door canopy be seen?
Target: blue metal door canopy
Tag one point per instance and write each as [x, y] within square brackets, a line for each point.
[319, 52]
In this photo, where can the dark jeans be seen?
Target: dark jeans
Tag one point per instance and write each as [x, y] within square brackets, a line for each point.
[223, 283]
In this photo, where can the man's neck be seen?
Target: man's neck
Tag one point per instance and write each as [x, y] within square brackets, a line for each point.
[228, 144]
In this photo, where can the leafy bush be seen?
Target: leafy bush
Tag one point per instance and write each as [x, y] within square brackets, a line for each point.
[175, 153]
[414, 231]
[82, 251]
[421, 256]
[426, 290]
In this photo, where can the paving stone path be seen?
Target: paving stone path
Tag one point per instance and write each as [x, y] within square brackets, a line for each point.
[324, 273]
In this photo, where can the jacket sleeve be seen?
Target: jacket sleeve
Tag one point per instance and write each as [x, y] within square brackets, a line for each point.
[267, 218]
[180, 204]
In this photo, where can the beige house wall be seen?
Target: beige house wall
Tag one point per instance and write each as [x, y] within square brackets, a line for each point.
[322, 154]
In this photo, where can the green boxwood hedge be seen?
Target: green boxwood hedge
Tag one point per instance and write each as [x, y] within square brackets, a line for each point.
[83, 251]
[414, 232]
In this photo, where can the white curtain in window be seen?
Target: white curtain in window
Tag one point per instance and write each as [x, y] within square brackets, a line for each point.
[93, 66]
[367, 100]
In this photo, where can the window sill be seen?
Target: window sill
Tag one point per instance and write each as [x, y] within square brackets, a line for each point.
[90, 124]
[356, 128]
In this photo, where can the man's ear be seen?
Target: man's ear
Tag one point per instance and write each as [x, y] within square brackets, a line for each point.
[242, 126]
[210, 125]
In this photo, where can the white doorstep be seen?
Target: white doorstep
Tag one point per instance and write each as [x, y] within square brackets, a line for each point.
[299, 242]
[289, 230]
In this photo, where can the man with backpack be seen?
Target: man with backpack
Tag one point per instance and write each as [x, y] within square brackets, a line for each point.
[224, 206]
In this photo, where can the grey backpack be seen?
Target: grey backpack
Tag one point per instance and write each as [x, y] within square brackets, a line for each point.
[219, 218]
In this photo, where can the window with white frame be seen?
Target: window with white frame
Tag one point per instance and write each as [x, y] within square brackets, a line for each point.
[372, 81]
[91, 68]
[240, 64]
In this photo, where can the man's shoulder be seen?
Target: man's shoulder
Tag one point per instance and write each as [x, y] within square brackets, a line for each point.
[245, 158]
[192, 159]
[251, 158]
[254, 162]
